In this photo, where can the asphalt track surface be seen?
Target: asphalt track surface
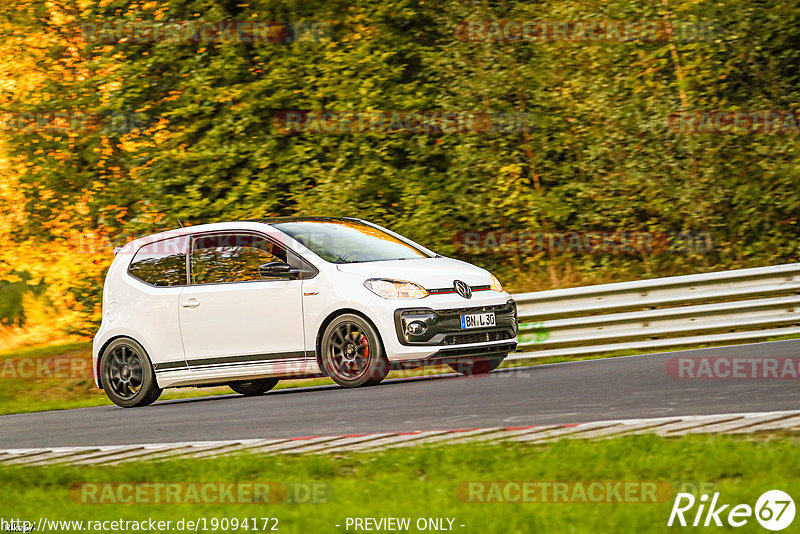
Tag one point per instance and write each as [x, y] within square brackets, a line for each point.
[575, 392]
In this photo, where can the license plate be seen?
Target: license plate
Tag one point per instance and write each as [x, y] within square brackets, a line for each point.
[477, 320]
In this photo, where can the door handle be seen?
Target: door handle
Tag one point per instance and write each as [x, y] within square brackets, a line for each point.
[191, 303]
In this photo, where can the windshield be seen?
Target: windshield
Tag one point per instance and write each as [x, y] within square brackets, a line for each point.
[349, 241]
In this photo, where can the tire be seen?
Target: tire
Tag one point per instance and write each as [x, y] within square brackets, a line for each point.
[476, 367]
[352, 353]
[252, 388]
[127, 374]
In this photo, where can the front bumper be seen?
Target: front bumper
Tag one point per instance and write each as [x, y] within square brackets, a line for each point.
[442, 327]
[476, 353]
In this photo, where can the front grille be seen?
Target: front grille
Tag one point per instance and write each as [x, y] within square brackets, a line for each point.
[475, 309]
[447, 290]
[444, 326]
[482, 337]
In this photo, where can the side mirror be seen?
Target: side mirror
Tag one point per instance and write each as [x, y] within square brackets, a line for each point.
[277, 268]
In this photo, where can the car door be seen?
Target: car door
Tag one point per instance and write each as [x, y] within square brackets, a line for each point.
[151, 310]
[232, 315]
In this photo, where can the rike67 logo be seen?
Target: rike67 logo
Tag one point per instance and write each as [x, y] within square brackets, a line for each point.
[774, 510]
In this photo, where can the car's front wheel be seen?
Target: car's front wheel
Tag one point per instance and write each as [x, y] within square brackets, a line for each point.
[128, 377]
[476, 367]
[352, 353]
[251, 388]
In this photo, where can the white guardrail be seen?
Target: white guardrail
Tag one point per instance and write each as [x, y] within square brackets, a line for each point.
[721, 307]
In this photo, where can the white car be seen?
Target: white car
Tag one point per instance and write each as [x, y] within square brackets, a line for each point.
[249, 303]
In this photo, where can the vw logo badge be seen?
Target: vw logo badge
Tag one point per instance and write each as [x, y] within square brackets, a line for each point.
[463, 289]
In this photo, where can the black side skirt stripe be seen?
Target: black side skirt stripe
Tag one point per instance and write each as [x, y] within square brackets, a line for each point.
[230, 361]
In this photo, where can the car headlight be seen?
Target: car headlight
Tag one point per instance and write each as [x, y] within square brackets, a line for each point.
[495, 284]
[395, 289]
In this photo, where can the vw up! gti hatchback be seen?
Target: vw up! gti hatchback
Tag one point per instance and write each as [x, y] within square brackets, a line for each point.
[249, 303]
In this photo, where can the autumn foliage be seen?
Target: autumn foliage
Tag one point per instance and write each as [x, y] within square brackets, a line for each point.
[126, 135]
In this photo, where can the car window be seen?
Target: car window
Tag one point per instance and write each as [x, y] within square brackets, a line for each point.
[162, 263]
[230, 257]
[349, 241]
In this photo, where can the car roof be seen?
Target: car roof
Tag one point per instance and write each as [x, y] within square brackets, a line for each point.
[228, 225]
[275, 220]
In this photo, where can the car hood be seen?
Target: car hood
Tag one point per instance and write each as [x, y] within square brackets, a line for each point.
[431, 273]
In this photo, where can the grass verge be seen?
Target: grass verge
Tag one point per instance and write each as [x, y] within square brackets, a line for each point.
[423, 482]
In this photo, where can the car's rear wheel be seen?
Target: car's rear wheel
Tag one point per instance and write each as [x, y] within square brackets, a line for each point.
[476, 367]
[128, 377]
[352, 352]
[251, 388]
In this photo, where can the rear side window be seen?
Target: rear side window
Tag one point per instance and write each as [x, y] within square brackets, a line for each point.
[162, 263]
[224, 258]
